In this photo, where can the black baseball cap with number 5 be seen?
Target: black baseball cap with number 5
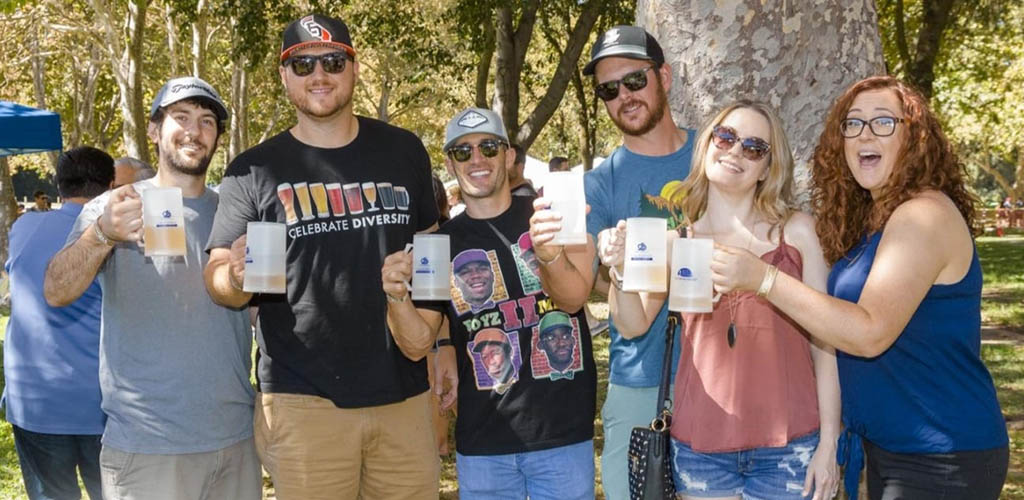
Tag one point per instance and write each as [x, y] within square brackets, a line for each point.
[316, 30]
[632, 42]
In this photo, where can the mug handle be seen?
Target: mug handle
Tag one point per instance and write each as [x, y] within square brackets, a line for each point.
[408, 249]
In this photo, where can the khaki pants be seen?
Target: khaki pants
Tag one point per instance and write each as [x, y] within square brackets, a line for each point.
[229, 473]
[315, 450]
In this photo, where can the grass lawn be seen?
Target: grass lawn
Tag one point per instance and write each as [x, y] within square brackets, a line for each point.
[1002, 305]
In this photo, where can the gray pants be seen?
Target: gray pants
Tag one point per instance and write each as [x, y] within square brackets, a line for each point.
[229, 473]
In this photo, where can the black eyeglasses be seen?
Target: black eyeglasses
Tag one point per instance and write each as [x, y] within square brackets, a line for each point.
[754, 148]
[463, 152]
[331, 62]
[881, 126]
[633, 81]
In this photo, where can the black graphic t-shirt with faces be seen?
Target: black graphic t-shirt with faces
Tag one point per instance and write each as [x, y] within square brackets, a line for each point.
[527, 380]
[345, 210]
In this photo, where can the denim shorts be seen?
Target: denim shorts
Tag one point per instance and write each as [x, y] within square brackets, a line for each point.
[776, 473]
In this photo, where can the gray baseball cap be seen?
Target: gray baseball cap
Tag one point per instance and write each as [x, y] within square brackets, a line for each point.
[474, 121]
[632, 42]
[178, 89]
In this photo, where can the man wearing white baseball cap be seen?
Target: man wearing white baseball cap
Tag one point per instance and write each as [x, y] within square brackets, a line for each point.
[174, 366]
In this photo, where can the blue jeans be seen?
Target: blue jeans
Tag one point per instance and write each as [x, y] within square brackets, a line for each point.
[563, 473]
[50, 462]
[776, 473]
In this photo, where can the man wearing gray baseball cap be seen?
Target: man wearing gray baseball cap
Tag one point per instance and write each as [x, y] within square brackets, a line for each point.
[174, 366]
[511, 441]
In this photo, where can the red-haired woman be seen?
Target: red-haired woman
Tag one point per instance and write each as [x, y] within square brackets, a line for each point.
[903, 309]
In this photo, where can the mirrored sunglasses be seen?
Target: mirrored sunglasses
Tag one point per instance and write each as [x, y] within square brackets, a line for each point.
[633, 81]
[754, 148]
[463, 152]
[304, 65]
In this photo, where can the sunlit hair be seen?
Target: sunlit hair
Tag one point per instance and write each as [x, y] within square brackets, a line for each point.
[845, 211]
[773, 197]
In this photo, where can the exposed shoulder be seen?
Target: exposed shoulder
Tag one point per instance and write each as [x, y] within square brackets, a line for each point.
[800, 231]
[927, 213]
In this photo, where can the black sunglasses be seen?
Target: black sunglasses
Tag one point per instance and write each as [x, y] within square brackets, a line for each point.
[633, 81]
[463, 152]
[881, 126]
[754, 148]
[331, 62]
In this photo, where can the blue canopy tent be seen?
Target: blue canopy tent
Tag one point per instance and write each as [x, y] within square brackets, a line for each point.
[28, 130]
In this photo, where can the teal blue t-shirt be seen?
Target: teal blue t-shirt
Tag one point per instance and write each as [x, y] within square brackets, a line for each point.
[631, 185]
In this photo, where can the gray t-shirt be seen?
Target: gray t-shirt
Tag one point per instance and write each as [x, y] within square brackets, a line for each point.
[174, 366]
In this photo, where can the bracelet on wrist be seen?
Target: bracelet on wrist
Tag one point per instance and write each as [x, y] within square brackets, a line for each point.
[100, 235]
[615, 279]
[441, 342]
[396, 300]
[768, 281]
[552, 261]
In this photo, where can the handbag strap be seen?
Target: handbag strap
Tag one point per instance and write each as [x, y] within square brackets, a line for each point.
[663, 416]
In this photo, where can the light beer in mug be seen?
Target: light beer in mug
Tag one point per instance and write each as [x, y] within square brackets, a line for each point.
[164, 241]
[302, 192]
[320, 199]
[163, 222]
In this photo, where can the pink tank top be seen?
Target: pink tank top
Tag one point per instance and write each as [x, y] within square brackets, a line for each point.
[759, 393]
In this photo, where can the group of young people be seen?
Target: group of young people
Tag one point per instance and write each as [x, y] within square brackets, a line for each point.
[342, 404]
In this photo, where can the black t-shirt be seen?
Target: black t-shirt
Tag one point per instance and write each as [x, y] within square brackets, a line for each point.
[520, 389]
[346, 209]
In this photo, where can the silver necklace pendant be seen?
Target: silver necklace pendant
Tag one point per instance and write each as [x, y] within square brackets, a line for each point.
[731, 334]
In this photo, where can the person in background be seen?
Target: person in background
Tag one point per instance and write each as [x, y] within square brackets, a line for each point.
[51, 354]
[455, 205]
[128, 170]
[42, 202]
[558, 164]
[442, 200]
[519, 185]
[903, 307]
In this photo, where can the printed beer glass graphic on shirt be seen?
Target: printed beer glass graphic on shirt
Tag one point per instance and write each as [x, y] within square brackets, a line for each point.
[691, 289]
[354, 198]
[302, 192]
[386, 194]
[287, 197]
[335, 197]
[644, 269]
[164, 222]
[265, 258]
[320, 199]
[401, 198]
[370, 190]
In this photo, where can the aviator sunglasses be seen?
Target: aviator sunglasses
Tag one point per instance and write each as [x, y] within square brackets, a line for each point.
[633, 81]
[488, 147]
[725, 138]
[331, 62]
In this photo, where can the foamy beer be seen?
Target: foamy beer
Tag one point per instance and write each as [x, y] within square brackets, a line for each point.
[163, 222]
[320, 199]
[265, 258]
[644, 269]
[690, 288]
[287, 197]
[370, 191]
[302, 192]
[565, 190]
[431, 267]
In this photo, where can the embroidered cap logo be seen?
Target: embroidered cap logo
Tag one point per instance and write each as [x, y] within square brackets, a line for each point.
[316, 29]
[472, 120]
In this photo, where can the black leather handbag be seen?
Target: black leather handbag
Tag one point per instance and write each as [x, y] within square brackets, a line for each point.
[650, 460]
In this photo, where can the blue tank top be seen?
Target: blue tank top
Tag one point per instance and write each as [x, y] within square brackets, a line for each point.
[929, 392]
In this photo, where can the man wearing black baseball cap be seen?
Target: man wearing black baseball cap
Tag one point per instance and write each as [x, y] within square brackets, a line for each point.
[633, 79]
[174, 366]
[343, 409]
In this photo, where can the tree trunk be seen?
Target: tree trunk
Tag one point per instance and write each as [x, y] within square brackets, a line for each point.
[39, 85]
[511, 41]
[483, 68]
[937, 14]
[126, 62]
[238, 138]
[8, 206]
[797, 56]
[172, 40]
[199, 36]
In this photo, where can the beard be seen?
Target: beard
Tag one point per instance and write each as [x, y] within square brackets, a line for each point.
[196, 168]
[655, 113]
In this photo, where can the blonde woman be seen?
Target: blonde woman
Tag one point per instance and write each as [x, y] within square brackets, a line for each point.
[756, 404]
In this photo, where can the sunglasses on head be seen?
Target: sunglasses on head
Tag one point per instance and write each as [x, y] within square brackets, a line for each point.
[754, 148]
[463, 152]
[633, 81]
[331, 62]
